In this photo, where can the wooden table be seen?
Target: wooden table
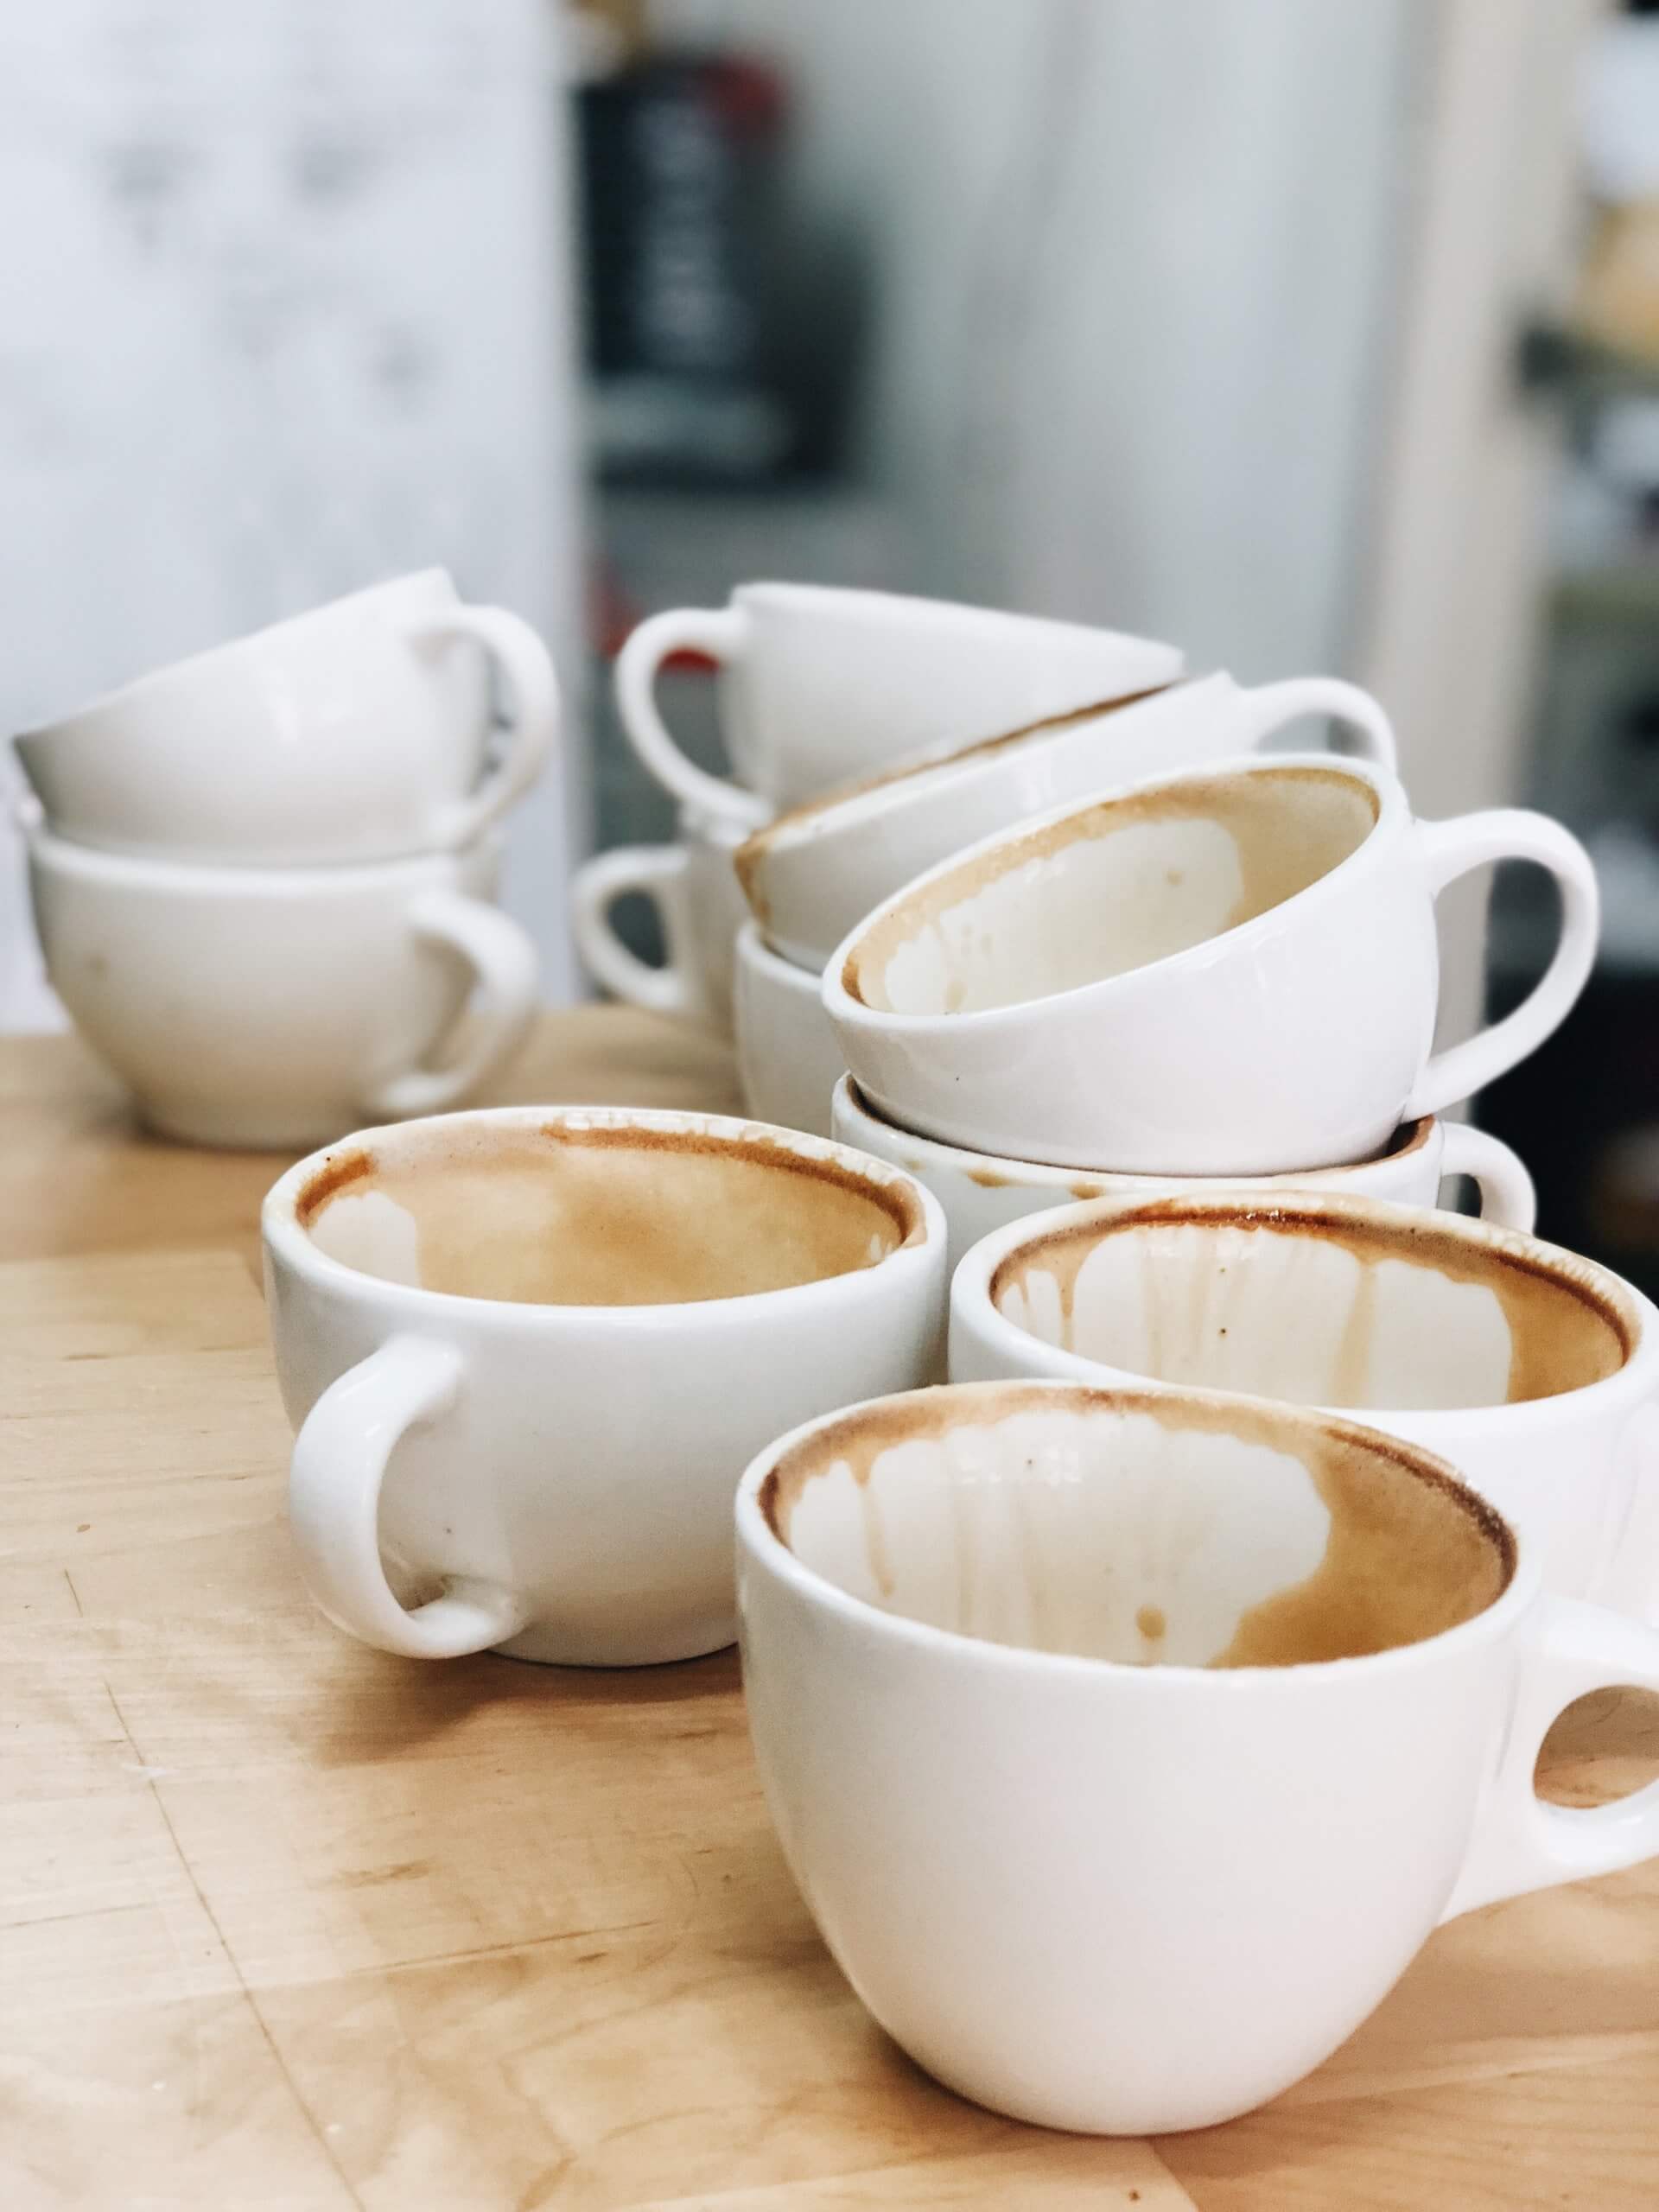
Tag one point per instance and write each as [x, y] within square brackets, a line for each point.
[290, 1924]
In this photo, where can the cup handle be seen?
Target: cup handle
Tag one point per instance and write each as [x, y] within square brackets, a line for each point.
[1453, 849]
[527, 673]
[334, 1480]
[1268, 706]
[722, 634]
[1520, 1842]
[503, 960]
[657, 873]
[1507, 1196]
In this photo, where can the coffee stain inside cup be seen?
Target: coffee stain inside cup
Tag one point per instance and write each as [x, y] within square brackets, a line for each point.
[602, 1214]
[1111, 888]
[1141, 1527]
[1292, 1301]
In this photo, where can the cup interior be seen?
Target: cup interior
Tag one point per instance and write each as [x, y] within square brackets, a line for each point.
[1319, 1306]
[1110, 888]
[1136, 1527]
[595, 1211]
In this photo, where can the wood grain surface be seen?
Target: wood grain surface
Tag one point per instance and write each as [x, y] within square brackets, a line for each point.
[285, 1923]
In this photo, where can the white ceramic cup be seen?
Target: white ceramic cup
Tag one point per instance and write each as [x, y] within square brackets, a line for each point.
[788, 1059]
[1232, 971]
[356, 732]
[271, 1008]
[813, 874]
[694, 890]
[980, 1193]
[528, 1352]
[818, 684]
[1125, 1897]
[1534, 1372]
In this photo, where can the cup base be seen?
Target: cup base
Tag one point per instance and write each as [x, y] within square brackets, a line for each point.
[546, 1645]
[211, 1123]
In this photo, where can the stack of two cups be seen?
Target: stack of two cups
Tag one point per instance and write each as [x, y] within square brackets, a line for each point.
[263, 877]
[817, 686]
[1223, 975]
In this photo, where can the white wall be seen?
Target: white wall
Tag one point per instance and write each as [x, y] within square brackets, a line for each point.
[284, 308]
[1134, 264]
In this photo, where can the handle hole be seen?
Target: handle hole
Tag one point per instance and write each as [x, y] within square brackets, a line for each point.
[1317, 733]
[1604, 1746]
[637, 920]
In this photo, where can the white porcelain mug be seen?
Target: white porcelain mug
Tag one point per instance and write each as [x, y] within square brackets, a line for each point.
[692, 885]
[812, 874]
[1128, 1897]
[1229, 972]
[1534, 1372]
[271, 1008]
[818, 684]
[358, 731]
[528, 1352]
[979, 1193]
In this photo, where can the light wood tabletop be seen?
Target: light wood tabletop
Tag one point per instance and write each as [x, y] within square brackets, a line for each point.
[289, 1923]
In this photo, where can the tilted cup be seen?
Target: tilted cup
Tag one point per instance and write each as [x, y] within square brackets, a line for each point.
[1534, 1372]
[788, 1056]
[811, 874]
[979, 1193]
[1127, 1745]
[359, 731]
[693, 887]
[528, 1351]
[818, 684]
[275, 1007]
[1233, 972]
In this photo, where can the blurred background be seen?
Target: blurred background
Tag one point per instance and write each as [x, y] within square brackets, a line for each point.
[1317, 336]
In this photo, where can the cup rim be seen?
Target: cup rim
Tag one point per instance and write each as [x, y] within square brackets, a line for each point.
[74, 859]
[194, 665]
[1042, 1175]
[843, 1005]
[285, 1238]
[889, 793]
[1620, 1303]
[773, 1556]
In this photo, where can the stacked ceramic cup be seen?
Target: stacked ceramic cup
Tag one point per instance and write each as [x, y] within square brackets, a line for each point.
[816, 686]
[1226, 973]
[263, 878]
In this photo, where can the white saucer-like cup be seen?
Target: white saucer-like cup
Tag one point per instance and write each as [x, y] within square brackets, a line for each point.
[1105, 1894]
[980, 1193]
[528, 1351]
[818, 684]
[789, 1057]
[273, 1008]
[814, 872]
[1534, 1372]
[1232, 971]
[357, 732]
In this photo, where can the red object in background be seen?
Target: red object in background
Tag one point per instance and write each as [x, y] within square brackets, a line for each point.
[613, 613]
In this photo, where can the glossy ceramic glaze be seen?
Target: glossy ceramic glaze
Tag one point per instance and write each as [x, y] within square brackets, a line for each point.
[788, 1057]
[358, 731]
[814, 874]
[556, 1478]
[700, 908]
[274, 1007]
[1534, 1372]
[818, 684]
[979, 1193]
[1232, 971]
[1108, 1895]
